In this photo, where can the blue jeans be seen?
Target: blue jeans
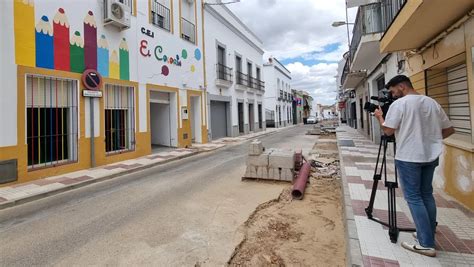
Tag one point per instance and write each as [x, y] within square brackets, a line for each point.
[416, 181]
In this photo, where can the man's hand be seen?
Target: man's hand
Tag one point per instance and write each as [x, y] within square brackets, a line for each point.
[378, 113]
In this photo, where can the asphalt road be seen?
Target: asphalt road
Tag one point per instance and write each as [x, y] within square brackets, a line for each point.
[178, 214]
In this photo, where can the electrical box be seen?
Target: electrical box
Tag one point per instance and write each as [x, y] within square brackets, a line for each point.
[184, 113]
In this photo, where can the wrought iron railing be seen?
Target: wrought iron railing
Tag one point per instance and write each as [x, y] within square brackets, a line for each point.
[390, 10]
[242, 79]
[160, 15]
[224, 72]
[257, 84]
[188, 30]
[369, 20]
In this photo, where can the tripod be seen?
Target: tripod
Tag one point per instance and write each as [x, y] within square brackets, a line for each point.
[393, 229]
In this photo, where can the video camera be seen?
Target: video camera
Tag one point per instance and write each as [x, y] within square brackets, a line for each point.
[385, 99]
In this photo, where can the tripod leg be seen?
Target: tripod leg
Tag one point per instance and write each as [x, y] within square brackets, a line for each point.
[393, 230]
[377, 177]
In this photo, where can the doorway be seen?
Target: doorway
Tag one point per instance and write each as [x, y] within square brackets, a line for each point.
[163, 120]
[251, 118]
[195, 119]
[240, 111]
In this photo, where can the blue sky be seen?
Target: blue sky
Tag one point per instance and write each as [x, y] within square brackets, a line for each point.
[314, 57]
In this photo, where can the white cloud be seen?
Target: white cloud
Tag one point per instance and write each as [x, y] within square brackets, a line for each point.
[299, 28]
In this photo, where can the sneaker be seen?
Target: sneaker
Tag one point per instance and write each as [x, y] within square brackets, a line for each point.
[430, 252]
[414, 235]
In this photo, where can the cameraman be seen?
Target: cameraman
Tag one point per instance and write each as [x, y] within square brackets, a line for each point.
[419, 124]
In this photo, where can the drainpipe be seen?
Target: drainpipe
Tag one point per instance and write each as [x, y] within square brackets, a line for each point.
[301, 181]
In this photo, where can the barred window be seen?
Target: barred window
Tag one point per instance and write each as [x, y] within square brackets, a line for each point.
[160, 15]
[448, 86]
[51, 118]
[119, 118]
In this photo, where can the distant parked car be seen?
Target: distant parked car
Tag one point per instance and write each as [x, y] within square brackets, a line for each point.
[312, 120]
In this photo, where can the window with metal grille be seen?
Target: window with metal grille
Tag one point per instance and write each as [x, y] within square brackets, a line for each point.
[51, 120]
[449, 87]
[119, 118]
[160, 15]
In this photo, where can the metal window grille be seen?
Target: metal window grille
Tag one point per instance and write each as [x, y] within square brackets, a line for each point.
[160, 15]
[188, 30]
[449, 87]
[52, 122]
[128, 3]
[119, 118]
[224, 72]
[242, 79]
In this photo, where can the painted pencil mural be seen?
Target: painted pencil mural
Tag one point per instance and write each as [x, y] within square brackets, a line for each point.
[61, 41]
[77, 53]
[124, 60]
[44, 44]
[114, 66]
[103, 56]
[25, 50]
[90, 41]
[53, 44]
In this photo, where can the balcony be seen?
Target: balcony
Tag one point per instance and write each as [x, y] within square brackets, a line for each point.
[257, 84]
[242, 81]
[160, 15]
[367, 32]
[350, 79]
[420, 21]
[223, 76]
[188, 30]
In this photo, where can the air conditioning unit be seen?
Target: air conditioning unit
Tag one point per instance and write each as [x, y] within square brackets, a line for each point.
[116, 14]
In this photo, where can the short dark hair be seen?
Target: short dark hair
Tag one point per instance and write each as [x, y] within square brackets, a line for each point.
[398, 80]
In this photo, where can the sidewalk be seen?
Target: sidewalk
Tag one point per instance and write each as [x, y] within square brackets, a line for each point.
[25, 192]
[369, 242]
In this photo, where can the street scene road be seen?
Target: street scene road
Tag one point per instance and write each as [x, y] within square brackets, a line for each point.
[181, 213]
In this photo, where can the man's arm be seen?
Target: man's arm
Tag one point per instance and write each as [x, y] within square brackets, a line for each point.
[387, 130]
[447, 132]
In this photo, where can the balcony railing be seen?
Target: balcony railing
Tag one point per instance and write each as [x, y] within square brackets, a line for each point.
[242, 78]
[224, 72]
[369, 20]
[160, 15]
[257, 84]
[188, 31]
[390, 9]
[345, 71]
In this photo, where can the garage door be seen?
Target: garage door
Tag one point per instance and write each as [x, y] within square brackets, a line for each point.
[218, 119]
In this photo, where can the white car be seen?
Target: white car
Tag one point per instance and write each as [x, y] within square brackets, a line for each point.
[311, 120]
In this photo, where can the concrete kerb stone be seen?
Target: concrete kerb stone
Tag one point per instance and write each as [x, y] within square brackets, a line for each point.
[353, 251]
[30, 198]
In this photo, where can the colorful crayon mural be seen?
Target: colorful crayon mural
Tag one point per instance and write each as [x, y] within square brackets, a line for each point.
[103, 57]
[24, 25]
[90, 41]
[44, 44]
[124, 60]
[114, 66]
[77, 53]
[55, 45]
[61, 41]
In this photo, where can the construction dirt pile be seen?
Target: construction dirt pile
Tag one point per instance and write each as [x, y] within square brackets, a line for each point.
[308, 232]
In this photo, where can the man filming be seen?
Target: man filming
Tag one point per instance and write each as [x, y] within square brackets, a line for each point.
[419, 124]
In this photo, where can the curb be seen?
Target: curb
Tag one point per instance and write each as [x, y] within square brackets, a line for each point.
[27, 199]
[353, 251]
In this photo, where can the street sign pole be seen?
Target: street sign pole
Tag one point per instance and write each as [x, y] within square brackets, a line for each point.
[91, 106]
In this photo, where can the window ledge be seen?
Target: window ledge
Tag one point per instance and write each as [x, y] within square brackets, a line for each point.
[461, 144]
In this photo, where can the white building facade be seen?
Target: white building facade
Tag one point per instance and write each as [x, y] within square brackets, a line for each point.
[278, 96]
[234, 75]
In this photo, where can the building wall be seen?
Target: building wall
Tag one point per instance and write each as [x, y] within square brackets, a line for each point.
[456, 171]
[160, 60]
[224, 29]
[277, 78]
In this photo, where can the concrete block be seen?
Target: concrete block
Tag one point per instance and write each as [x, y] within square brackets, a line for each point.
[287, 175]
[274, 173]
[281, 159]
[260, 160]
[262, 172]
[255, 148]
[251, 172]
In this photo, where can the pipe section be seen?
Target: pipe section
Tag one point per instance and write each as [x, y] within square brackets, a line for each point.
[300, 182]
